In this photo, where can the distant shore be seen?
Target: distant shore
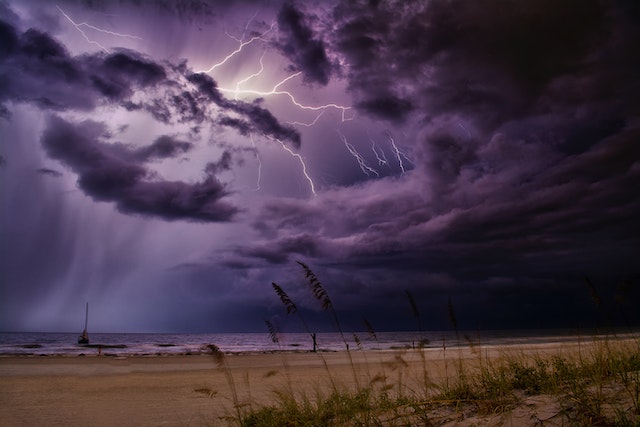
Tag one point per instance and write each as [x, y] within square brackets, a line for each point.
[194, 389]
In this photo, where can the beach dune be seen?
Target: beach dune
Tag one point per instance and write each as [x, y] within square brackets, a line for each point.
[196, 390]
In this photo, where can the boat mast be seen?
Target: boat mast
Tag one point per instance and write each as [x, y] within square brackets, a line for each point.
[84, 338]
[86, 317]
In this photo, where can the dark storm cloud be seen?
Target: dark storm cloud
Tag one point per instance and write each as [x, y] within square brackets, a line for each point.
[520, 121]
[207, 87]
[257, 118]
[506, 212]
[176, 200]
[525, 46]
[387, 106]
[116, 75]
[279, 252]
[242, 126]
[188, 108]
[114, 173]
[9, 39]
[49, 172]
[525, 160]
[546, 237]
[224, 164]
[265, 122]
[298, 44]
[133, 67]
[40, 70]
[463, 56]
[163, 147]
[191, 106]
[37, 69]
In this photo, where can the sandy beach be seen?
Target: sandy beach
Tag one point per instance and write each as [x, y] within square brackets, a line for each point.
[194, 390]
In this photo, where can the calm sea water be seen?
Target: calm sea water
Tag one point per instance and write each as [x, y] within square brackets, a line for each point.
[13, 343]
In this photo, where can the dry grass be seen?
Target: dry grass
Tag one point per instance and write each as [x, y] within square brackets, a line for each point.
[599, 387]
[595, 385]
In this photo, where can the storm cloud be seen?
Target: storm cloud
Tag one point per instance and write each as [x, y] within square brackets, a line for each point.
[462, 58]
[111, 172]
[38, 69]
[516, 176]
[481, 152]
[298, 44]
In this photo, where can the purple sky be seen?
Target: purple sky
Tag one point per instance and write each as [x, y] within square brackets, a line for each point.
[166, 161]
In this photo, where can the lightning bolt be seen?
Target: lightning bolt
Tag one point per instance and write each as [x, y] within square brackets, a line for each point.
[276, 91]
[302, 163]
[399, 154]
[86, 25]
[312, 123]
[242, 43]
[259, 163]
[249, 77]
[244, 32]
[366, 169]
[238, 90]
[382, 158]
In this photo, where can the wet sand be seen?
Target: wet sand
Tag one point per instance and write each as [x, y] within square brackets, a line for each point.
[195, 390]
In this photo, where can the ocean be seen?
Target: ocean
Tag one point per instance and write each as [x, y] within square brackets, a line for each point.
[140, 344]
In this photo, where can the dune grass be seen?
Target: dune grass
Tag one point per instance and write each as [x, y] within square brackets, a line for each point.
[595, 384]
[601, 387]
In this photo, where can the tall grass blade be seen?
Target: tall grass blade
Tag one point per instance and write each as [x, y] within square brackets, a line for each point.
[286, 301]
[321, 295]
[370, 330]
[221, 361]
[273, 333]
[292, 309]
[316, 287]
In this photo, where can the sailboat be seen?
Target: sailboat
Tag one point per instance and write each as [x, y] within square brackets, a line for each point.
[84, 338]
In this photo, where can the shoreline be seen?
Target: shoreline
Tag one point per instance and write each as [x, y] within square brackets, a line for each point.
[25, 366]
[198, 389]
[28, 343]
[132, 350]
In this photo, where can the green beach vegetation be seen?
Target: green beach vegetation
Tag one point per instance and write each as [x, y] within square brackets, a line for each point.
[597, 383]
